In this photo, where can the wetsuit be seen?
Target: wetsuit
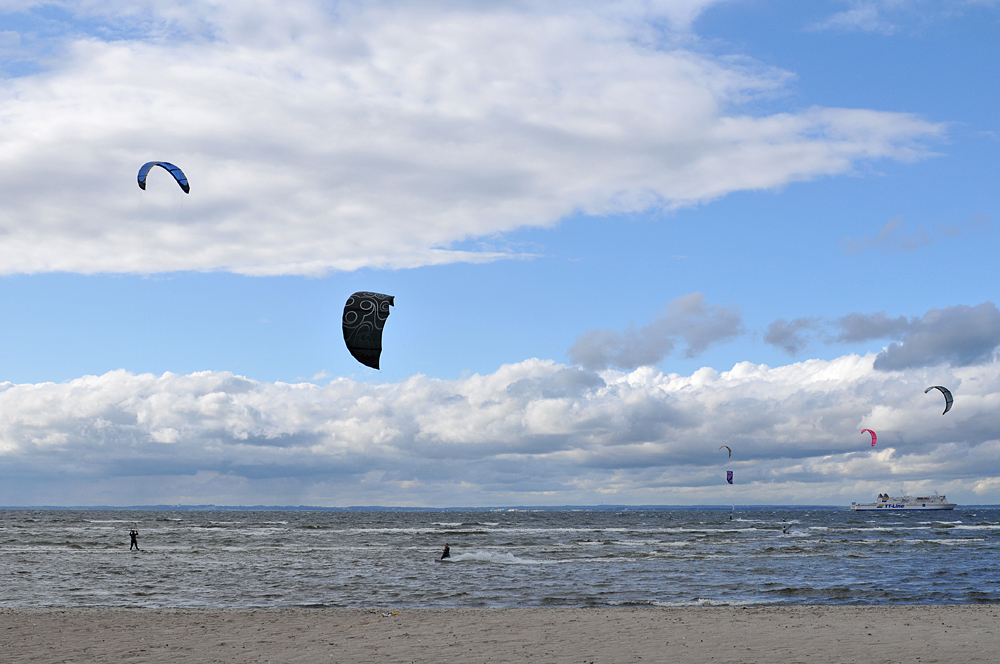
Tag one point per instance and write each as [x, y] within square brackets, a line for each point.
[135, 543]
[447, 552]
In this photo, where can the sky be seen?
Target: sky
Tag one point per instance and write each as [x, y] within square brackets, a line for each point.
[619, 235]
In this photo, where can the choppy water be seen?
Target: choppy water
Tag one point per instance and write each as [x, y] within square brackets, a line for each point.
[499, 558]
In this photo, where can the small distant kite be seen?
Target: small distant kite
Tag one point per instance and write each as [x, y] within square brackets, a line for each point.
[728, 448]
[948, 399]
[178, 174]
[874, 437]
[364, 317]
[729, 476]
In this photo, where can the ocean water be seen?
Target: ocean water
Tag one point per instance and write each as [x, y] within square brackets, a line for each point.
[500, 558]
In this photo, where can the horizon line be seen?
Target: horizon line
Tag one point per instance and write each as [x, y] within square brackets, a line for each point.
[396, 508]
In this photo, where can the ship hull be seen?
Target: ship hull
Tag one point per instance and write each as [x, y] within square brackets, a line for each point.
[887, 503]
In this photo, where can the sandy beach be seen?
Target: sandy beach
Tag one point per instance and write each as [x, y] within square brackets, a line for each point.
[869, 635]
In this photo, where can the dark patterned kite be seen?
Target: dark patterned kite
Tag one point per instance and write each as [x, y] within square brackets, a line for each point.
[728, 448]
[948, 399]
[178, 174]
[364, 317]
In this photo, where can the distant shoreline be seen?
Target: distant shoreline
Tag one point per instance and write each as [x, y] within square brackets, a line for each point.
[389, 508]
[779, 634]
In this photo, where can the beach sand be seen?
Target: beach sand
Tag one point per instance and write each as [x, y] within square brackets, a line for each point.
[869, 635]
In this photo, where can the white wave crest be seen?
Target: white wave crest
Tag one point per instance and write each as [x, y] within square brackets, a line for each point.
[495, 557]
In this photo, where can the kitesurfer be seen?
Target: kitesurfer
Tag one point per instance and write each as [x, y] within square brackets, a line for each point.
[135, 542]
[447, 552]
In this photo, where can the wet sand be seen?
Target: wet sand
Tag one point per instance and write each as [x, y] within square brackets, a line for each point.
[868, 635]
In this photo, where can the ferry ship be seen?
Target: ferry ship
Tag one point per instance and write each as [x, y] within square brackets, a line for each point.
[885, 502]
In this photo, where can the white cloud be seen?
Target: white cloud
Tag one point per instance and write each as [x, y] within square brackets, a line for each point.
[384, 134]
[863, 16]
[530, 433]
[888, 17]
[893, 238]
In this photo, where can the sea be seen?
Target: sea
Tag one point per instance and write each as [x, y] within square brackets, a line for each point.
[385, 559]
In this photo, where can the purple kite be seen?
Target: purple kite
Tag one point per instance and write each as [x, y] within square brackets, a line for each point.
[729, 476]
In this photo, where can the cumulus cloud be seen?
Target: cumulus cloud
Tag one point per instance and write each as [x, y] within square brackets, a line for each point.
[893, 238]
[792, 336]
[958, 336]
[686, 319]
[855, 327]
[322, 138]
[535, 432]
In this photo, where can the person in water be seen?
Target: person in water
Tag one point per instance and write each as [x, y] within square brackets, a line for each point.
[447, 552]
[135, 542]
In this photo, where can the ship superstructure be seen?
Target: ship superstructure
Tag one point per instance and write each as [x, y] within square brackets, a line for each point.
[887, 502]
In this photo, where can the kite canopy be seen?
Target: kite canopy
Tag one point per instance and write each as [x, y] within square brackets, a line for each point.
[948, 399]
[364, 317]
[729, 476]
[178, 174]
[874, 437]
[728, 448]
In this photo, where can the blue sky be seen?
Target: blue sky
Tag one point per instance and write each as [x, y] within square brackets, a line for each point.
[618, 191]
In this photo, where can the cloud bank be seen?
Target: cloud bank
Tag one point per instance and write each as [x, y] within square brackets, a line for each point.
[535, 432]
[321, 137]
